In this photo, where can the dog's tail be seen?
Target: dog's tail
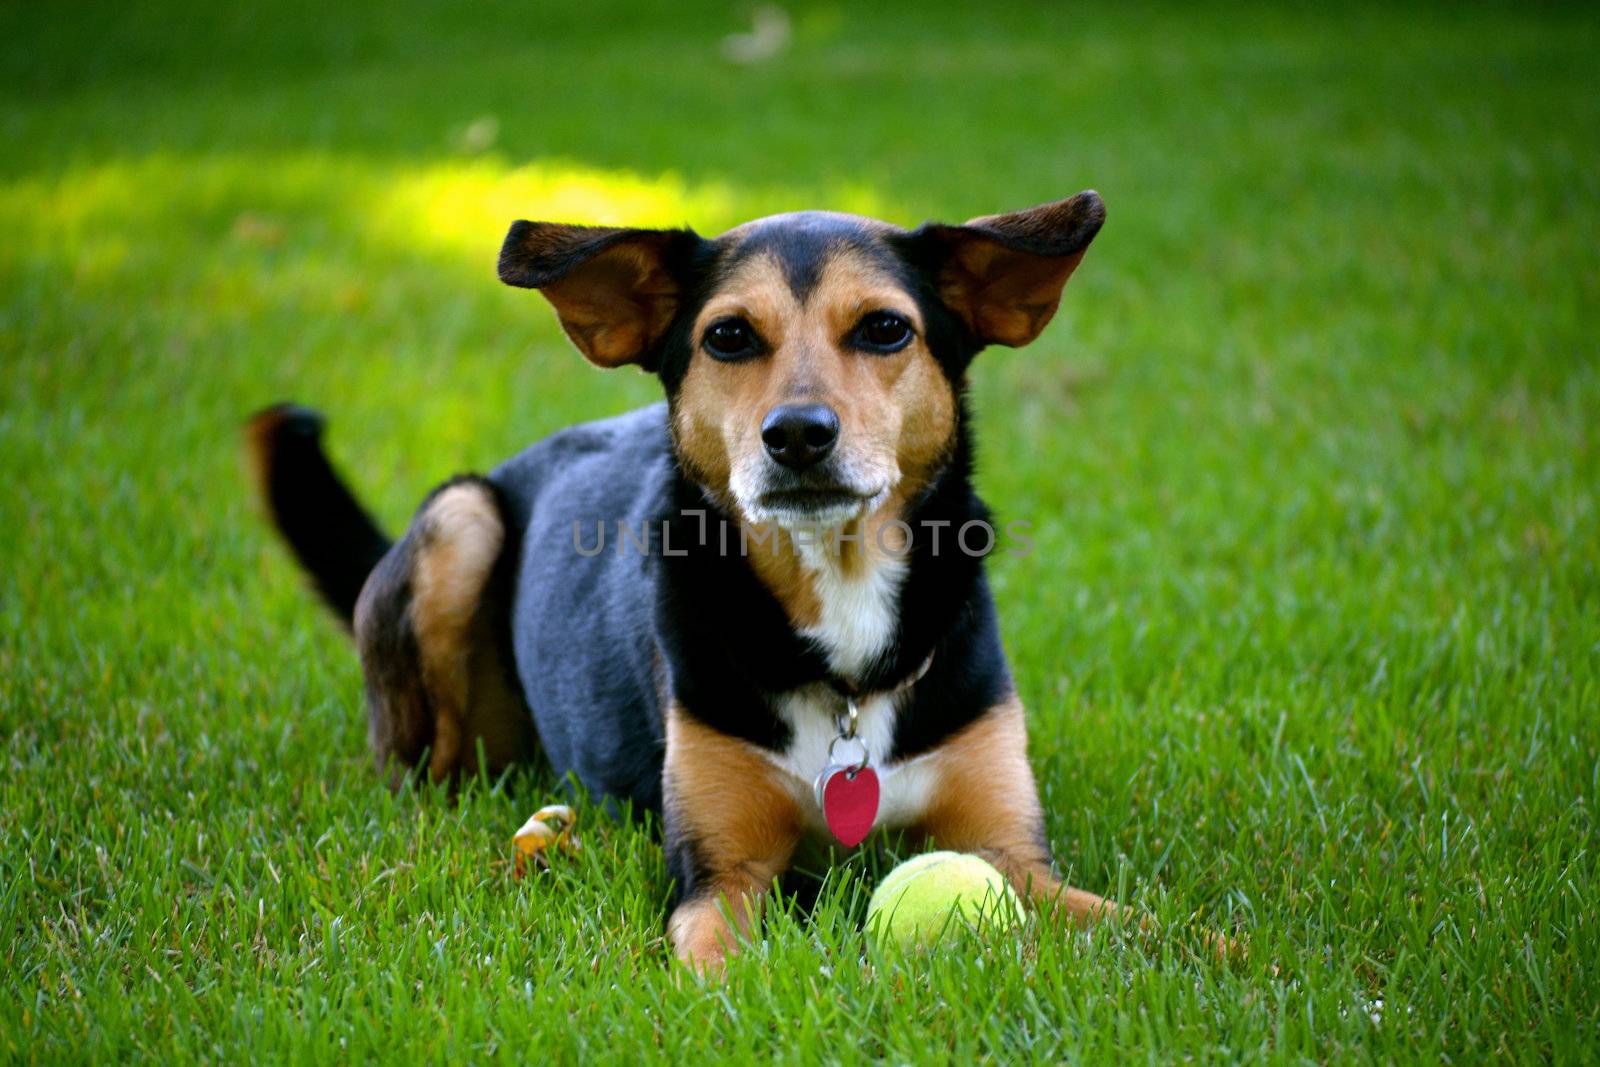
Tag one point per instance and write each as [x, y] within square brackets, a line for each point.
[329, 532]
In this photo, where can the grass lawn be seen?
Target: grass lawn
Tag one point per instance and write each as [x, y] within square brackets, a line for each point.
[1310, 638]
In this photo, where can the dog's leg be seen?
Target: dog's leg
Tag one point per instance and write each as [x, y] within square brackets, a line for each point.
[730, 827]
[429, 628]
[986, 802]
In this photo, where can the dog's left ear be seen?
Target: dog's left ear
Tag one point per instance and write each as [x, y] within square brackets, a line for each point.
[1003, 274]
[615, 290]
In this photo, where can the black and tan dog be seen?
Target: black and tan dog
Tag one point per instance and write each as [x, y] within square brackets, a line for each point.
[814, 367]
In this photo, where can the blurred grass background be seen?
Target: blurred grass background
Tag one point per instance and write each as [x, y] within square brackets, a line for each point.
[1311, 635]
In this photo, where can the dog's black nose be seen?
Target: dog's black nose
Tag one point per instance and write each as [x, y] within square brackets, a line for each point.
[800, 435]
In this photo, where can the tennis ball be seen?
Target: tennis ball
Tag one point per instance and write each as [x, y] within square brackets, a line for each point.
[922, 896]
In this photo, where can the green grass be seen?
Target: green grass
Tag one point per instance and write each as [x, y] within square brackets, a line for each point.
[1310, 639]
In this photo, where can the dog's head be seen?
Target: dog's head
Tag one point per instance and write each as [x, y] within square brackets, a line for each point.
[811, 361]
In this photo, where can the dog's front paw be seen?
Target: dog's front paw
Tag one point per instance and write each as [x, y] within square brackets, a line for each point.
[701, 936]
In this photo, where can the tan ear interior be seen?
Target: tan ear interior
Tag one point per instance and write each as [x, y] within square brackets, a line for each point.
[1006, 297]
[616, 306]
[612, 289]
[1004, 273]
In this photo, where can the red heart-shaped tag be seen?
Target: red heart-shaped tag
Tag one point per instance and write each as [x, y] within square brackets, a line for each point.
[850, 804]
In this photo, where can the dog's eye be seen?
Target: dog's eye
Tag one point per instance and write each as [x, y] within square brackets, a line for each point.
[883, 331]
[730, 339]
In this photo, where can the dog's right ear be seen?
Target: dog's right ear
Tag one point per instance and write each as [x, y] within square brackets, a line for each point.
[615, 290]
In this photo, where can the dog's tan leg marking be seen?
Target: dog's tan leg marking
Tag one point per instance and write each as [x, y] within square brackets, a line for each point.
[459, 681]
[461, 539]
[726, 803]
[986, 802]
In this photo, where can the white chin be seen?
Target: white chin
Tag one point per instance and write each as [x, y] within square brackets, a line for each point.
[821, 520]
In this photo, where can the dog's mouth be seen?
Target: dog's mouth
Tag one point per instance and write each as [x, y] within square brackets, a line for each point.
[812, 501]
[826, 496]
[819, 505]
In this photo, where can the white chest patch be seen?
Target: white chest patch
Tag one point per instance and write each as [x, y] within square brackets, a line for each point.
[858, 611]
[858, 615]
[812, 717]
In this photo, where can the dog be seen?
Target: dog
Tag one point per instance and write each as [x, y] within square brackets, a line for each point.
[778, 647]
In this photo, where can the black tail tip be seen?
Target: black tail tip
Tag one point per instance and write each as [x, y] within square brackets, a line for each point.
[286, 419]
[334, 539]
[276, 429]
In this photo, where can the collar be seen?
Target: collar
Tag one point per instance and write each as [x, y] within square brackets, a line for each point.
[853, 694]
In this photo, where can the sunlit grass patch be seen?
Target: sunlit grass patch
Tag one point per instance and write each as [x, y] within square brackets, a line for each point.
[112, 216]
